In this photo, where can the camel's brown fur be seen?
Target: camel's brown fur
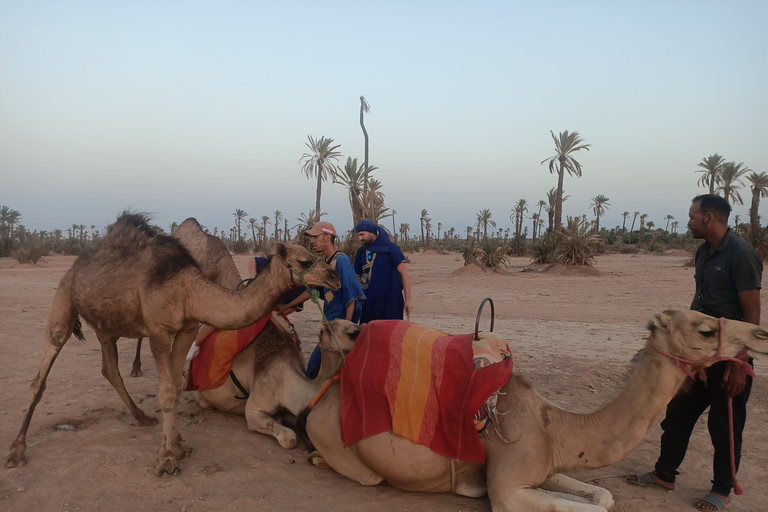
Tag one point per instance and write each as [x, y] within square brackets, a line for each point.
[141, 283]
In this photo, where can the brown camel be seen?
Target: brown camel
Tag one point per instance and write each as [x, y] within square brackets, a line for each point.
[524, 470]
[214, 260]
[139, 283]
[272, 372]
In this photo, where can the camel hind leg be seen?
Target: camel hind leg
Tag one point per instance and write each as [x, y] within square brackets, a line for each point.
[136, 369]
[61, 324]
[111, 372]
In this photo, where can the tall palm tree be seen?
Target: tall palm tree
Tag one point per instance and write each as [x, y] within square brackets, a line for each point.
[485, 218]
[393, 224]
[730, 183]
[239, 215]
[278, 217]
[364, 109]
[254, 225]
[353, 177]
[632, 229]
[736, 220]
[674, 226]
[668, 218]
[759, 188]
[625, 215]
[439, 227]
[319, 163]
[519, 210]
[422, 221]
[599, 205]
[306, 221]
[565, 145]
[642, 226]
[404, 228]
[711, 167]
[535, 219]
[265, 219]
[286, 231]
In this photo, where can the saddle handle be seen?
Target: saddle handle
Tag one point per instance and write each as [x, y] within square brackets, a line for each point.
[479, 312]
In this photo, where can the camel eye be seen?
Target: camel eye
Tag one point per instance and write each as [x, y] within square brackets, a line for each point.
[304, 263]
[707, 334]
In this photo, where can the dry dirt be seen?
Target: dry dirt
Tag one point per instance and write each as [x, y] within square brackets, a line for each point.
[572, 335]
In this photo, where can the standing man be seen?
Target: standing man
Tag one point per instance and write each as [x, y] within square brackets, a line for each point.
[728, 281]
[346, 302]
[380, 266]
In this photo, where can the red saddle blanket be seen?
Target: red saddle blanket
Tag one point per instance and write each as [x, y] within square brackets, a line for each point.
[210, 368]
[421, 384]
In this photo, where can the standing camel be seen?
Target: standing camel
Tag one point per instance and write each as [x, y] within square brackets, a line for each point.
[539, 441]
[141, 283]
[214, 260]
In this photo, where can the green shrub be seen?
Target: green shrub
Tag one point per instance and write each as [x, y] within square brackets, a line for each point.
[29, 253]
[545, 250]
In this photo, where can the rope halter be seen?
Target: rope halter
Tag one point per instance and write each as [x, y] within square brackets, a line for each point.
[697, 368]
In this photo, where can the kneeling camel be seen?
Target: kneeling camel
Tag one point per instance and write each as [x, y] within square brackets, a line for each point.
[524, 470]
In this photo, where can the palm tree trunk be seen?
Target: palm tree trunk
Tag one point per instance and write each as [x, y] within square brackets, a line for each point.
[559, 199]
[365, 159]
[319, 187]
[754, 224]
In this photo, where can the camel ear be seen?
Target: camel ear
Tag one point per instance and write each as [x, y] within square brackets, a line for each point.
[660, 321]
[280, 250]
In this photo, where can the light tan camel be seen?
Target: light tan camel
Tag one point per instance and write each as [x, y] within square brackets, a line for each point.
[524, 471]
[139, 283]
[272, 372]
[214, 260]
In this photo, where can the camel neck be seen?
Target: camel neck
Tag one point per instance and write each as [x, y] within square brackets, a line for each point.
[589, 441]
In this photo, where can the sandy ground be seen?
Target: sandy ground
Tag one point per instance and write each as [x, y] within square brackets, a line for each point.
[572, 335]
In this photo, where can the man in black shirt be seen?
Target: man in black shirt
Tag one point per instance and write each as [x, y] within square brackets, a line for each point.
[728, 281]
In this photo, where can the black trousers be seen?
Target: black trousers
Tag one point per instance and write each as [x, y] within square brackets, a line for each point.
[682, 413]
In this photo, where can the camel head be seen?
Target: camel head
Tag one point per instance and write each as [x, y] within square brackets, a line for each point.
[302, 262]
[694, 336]
[346, 333]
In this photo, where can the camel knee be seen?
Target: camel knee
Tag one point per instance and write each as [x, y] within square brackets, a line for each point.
[58, 335]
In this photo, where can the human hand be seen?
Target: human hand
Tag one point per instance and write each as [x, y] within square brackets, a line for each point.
[734, 379]
[408, 308]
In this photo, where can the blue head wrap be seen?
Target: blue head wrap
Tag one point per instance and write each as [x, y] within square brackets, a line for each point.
[366, 225]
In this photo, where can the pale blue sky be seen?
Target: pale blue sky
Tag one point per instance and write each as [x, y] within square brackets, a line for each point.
[183, 108]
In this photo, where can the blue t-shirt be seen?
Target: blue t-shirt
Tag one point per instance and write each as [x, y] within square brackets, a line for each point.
[336, 301]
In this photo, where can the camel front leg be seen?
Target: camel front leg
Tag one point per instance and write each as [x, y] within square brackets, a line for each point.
[171, 448]
[60, 326]
[263, 423]
[111, 371]
[567, 485]
[538, 500]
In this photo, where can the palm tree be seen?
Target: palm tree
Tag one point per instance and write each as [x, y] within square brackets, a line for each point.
[625, 215]
[535, 218]
[674, 226]
[353, 177]
[668, 218]
[519, 210]
[393, 224]
[599, 205]
[439, 227]
[364, 109]
[404, 228]
[729, 181]
[565, 145]
[254, 225]
[632, 229]
[278, 217]
[642, 226]
[306, 221]
[422, 221]
[711, 167]
[485, 218]
[550, 208]
[319, 163]
[265, 219]
[469, 233]
[239, 215]
[759, 187]
[736, 220]
[286, 231]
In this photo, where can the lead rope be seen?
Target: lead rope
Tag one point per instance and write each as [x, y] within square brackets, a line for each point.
[689, 366]
[314, 296]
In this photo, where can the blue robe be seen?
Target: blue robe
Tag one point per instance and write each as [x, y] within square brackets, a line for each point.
[376, 265]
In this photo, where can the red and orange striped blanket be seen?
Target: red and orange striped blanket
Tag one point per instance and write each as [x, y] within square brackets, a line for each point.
[419, 383]
[210, 368]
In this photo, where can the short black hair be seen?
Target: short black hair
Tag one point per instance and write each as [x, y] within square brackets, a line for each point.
[333, 239]
[711, 203]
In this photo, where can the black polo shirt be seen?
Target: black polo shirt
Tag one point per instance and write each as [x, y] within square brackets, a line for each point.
[732, 268]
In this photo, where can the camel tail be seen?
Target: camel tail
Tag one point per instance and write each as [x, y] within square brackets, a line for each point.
[77, 331]
[301, 430]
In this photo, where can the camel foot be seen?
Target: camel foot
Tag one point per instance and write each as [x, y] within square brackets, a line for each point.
[136, 371]
[181, 451]
[287, 439]
[169, 467]
[318, 460]
[16, 456]
[146, 421]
